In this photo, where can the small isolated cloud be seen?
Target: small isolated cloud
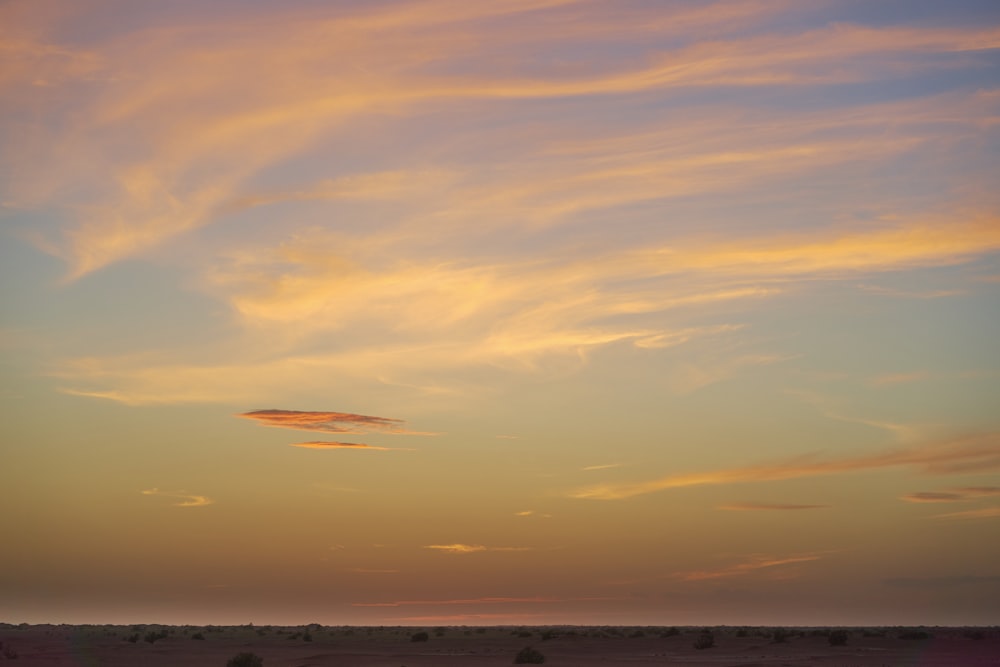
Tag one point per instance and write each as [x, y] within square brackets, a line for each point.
[740, 507]
[985, 513]
[526, 513]
[471, 548]
[186, 500]
[752, 564]
[604, 466]
[942, 582]
[323, 444]
[952, 495]
[327, 422]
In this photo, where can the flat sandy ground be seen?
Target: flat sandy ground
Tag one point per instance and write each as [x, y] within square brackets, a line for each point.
[96, 646]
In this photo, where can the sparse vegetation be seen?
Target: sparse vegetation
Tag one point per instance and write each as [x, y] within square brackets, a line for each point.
[198, 635]
[245, 660]
[154, 636]
[419, 637]
[780, 636]
[837, 637]
[915, 634]
[529, 656]
[705, 640]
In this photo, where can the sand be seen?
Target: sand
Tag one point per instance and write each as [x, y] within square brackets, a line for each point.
[97, 646]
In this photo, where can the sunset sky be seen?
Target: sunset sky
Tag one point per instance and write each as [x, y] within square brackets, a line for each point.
[436, 312]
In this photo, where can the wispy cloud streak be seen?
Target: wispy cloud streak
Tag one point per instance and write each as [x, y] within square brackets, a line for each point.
[974, 454]
[324, 444]
[186, 500]
[472, 548]
[746, 567]
[952, 495]
[750, 507]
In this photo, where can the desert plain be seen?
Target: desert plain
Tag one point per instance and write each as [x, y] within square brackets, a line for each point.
[318, 646]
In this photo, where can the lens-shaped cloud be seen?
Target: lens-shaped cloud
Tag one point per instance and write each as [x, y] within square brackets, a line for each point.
[327, 422]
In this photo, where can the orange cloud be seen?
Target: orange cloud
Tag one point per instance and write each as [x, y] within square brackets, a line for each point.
[187, 500]
[205, 106]
[974, 454]
[769, 506]
[753, 564]
[472, 548]
[326, 422]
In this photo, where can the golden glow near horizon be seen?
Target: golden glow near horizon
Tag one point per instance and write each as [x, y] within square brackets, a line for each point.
[555, 311]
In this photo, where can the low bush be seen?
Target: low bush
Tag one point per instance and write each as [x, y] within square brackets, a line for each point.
[837, 637]
[705, 640]
[245, 660]
[529, 656]
[419, 637]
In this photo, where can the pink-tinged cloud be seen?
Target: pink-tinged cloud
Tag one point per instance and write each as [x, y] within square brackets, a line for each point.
[465, 618]
[323, 444]
[186, 500]
[952, 495]
[740, 507]
[465, 601]
[327, 422]
[968, 455]
[746, 567]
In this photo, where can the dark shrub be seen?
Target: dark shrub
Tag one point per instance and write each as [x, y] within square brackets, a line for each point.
[198, 635]
[420, 637]
[915, 634]
[529, 656]
[779, 636]
[670, 632]
[245, 660]
[705, 640]
[134, 637]
[837, 637]
[152, 637]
